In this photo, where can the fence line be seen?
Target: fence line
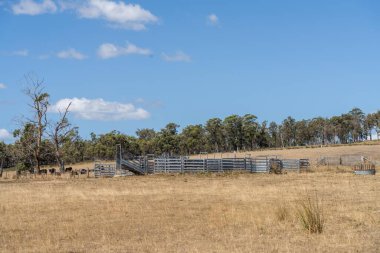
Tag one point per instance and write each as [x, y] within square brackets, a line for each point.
[345, 160]
[161, 165]
[105, 170]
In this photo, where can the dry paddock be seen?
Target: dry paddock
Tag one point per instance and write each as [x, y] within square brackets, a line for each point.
[189, 213]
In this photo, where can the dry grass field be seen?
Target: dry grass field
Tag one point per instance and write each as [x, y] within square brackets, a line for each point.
[372, 151]
[238, 212]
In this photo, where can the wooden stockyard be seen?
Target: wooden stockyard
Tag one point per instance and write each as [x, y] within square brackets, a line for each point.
[160, 165]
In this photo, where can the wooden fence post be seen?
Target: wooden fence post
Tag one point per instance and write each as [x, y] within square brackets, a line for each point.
[182, 164]
[299, 166]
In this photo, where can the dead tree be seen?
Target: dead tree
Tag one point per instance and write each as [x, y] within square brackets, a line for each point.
[60, 133]
[39, 106]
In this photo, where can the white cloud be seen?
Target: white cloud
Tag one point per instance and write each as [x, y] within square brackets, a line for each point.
[31, 7]
[99, 109]
[116, 13]
[23, 52]
[71, 54]
[212, 19]
[2, 86]
[119, 14]
[108, 50]
[177, 57]
[5, 135]
[44, 56]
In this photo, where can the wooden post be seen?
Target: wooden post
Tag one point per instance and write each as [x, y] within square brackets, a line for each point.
[299, 166]
[182, 163]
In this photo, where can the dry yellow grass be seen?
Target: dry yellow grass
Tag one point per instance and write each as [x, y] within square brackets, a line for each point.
[78, 166]
[188, 213]
[372, 151]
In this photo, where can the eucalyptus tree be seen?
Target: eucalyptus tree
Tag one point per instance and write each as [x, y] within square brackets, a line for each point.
[274, 135]
[377, 124]
[146, 139]
[168, 140]
[25, 146]
[193, 139]
[250, 132]
[289, 131]
[39, 103]
[262, 137]
[303, 135]
[233, 129]
[215, 135]
[3, 155]
[357, 124]
[317, 128]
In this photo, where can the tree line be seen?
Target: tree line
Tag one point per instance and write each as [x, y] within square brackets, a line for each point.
[40, 141]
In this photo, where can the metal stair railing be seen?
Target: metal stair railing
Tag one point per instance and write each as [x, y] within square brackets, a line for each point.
[134, 166]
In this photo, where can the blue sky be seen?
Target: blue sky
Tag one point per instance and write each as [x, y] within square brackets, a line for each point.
[128, 65]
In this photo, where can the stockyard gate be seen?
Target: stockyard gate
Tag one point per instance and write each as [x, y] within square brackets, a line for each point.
[144, 165]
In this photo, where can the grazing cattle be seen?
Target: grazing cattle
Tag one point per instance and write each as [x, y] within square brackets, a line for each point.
[83, 171]
[43, 171]
[69, 169]
[52, 171]
[74, 173]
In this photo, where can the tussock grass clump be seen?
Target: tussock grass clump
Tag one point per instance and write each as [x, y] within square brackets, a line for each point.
[310, 214]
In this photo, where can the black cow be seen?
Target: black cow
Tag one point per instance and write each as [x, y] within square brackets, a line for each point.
[74, 173]
[69, 169]
[43, 171]
[52, 171]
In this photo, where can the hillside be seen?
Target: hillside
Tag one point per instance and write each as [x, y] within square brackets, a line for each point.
[371, 150]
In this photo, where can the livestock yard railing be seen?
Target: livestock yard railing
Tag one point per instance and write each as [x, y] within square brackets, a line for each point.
[344, 160]
[104, 170]
[161, 165]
